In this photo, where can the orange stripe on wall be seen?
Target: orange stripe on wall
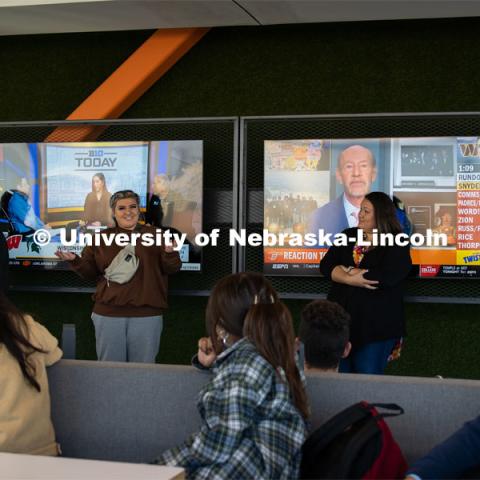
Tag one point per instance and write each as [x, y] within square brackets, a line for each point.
[130, 81]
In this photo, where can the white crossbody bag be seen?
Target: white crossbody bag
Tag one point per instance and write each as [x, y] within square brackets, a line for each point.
[123, 266]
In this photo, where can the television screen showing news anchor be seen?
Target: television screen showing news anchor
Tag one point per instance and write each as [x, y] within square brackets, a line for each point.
[53, 187]
[315, 187]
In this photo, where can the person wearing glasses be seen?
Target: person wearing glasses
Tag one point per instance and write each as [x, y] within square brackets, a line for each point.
[127, 316]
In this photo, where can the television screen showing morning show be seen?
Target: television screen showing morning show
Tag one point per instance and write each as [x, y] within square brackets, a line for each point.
[313, 189]
[56, 195]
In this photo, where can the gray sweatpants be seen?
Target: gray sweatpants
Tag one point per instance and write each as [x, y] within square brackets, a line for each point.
[127, 339]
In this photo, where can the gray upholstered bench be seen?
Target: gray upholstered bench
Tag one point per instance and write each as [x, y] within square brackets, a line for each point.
[132, 412]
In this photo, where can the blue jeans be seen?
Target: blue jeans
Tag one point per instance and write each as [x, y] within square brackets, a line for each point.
[372, 358]
[127, 339]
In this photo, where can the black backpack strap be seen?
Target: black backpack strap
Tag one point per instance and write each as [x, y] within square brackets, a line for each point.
[323, 435]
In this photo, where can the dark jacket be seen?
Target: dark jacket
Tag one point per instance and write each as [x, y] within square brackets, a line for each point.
[453, 457]
[3, 264]
[331, 217]
[376, 315]
[154, 213]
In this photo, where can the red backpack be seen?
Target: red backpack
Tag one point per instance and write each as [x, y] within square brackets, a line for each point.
[354, 444]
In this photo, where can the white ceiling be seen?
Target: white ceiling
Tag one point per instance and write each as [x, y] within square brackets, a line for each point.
[19, 17]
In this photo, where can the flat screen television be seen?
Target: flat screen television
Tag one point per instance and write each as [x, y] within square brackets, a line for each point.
[436, 178]
[67, 186]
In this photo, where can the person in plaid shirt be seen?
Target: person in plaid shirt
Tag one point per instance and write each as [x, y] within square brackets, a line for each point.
[254, 409]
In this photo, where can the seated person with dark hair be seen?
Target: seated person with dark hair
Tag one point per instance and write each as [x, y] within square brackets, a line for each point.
[324, 332]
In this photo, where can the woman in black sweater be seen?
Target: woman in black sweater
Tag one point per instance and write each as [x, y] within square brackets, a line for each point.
[368, 282]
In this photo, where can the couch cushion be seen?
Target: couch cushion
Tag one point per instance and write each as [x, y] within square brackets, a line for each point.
[132, 412]
[122, 411]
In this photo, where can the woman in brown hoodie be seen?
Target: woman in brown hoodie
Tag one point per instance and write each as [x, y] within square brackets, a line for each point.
[127, 316]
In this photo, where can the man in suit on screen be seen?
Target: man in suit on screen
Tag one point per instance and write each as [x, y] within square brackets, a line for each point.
[356, 171]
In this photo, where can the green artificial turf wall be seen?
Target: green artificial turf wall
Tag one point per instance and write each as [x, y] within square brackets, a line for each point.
[442, 340]
[394, 66]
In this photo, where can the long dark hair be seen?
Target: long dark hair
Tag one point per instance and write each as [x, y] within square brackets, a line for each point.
[385, 213]
[13, 334]
[230, 301]
[269, 327]
[245, 304]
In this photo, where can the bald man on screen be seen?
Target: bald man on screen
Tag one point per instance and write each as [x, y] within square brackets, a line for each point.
[356, 171]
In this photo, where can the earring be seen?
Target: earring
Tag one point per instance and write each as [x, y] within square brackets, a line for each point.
[223, 336]
[225, 340]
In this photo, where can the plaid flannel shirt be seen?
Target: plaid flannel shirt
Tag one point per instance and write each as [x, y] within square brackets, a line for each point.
[250, 429]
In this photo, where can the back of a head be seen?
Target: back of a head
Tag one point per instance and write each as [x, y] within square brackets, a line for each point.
[230, 301]
[13, 334]
[324, 331]
[245, 304]
[7, 312]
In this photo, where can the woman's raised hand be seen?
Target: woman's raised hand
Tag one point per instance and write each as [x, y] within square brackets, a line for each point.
[206, 353]
[65, 256]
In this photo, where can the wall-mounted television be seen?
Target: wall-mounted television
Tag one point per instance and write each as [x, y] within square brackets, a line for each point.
[67, 186]
[312, 184]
